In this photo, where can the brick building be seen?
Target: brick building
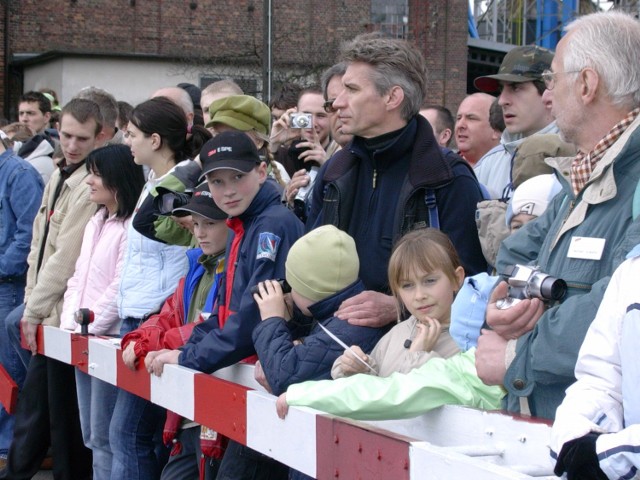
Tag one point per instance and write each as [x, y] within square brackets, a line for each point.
[132, 47]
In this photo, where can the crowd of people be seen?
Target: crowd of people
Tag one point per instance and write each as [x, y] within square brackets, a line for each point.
[206, 228]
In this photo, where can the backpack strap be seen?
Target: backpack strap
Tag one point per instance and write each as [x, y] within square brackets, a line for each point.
[432, 207]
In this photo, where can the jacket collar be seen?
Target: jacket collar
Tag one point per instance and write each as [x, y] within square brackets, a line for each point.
[326, 308]
[267, 195]
[602, 185]
[417, 139]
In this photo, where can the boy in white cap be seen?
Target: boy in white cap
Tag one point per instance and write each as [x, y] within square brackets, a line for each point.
[530, 200]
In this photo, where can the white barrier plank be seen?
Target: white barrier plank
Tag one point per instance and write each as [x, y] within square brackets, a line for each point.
[523, 445]
[430, 462]
[174, 390]
[102, 360]
[291, 441]
[240, 373]
[57, 343]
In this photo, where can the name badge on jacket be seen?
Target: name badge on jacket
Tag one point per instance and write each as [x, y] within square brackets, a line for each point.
[586, 248]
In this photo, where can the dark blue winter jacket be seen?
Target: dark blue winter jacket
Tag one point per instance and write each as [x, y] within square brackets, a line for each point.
[268, 231]
[285, 363]
[378, 197]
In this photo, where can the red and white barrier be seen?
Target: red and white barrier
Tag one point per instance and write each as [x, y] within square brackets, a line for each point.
[449, 442]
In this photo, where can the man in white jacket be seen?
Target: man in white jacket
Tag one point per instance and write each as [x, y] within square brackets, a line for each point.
[597, 429]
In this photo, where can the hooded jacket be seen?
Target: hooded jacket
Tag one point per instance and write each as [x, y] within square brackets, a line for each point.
[38, 151]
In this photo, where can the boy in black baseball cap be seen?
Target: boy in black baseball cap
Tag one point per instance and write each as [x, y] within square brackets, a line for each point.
[262, 231]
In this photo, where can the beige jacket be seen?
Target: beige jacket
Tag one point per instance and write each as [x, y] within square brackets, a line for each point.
[45, 288]
[389, 354]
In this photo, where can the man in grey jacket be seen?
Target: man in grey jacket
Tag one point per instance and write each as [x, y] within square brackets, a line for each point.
[594, 88]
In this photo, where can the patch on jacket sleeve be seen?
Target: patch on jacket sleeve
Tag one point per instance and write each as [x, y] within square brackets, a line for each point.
[268, 246]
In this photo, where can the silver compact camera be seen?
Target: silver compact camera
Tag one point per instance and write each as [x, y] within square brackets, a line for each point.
[529, 282]
[301, 120]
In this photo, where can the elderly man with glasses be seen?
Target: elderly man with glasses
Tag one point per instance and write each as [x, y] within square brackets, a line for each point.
[594, 89]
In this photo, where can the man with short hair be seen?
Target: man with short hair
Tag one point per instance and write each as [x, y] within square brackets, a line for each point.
[109, 109]
[525, 112]
[34, 109]
[44, 411]
[441, 121]
[180, 97]
[310, 146]
[284, 98]
[393, 177]
[593, 86]
[216, 91]
[473, 132]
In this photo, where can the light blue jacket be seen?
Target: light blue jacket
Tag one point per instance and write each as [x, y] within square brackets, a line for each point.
[150, 272]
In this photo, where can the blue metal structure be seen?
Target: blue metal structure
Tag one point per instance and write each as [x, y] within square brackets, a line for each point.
[552, 15]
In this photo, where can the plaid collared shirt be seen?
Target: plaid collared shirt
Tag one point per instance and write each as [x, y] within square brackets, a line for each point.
[583, 164]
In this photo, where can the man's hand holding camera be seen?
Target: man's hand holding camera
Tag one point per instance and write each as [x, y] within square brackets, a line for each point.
[281, 133]
[513, 322]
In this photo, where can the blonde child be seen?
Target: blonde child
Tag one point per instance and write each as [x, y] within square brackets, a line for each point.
[424, 276]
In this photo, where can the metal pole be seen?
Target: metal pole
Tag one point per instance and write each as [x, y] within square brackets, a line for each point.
[267, 55]
[7, 58]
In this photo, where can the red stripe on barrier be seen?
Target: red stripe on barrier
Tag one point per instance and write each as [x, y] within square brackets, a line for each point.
[39, 340]
[80, 352]
[223, 404]
[138, 382]
[354, 452]
[8, 391]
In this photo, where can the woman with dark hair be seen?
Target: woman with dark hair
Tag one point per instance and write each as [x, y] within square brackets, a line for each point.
[157, 134]
[115, 183]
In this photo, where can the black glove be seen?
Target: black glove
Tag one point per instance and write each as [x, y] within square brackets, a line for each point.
[579, 459]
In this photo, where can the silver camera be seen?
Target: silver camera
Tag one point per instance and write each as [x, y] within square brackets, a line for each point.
[301, 120]
[529, 282]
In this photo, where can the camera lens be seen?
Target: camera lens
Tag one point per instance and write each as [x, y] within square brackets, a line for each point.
[553, 288]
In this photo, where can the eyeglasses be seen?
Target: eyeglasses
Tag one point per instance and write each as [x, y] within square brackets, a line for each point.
[328, 106]
[549, 78]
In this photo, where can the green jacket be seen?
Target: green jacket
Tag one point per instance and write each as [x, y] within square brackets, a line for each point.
[438, 382]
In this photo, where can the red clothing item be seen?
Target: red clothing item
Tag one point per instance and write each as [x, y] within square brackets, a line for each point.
[165, 329]
[235, 224]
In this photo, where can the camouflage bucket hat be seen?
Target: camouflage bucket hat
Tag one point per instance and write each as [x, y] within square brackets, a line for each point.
[521, 64]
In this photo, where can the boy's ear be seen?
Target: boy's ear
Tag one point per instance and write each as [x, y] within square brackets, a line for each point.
[262, 171]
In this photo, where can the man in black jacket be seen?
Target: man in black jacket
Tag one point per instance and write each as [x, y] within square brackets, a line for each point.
[393, 177]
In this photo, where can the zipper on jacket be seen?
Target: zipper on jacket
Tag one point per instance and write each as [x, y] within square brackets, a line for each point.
[375, 175]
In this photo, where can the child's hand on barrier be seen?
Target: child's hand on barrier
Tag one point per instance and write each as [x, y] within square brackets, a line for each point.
[129, 356]
[282, 407]
[270, 299]
[427, 337]
[155, 361]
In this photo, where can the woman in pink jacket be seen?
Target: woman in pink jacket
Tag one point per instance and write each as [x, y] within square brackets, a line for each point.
[115, 183]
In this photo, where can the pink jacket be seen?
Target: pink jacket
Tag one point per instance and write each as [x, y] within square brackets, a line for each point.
[95, 282]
